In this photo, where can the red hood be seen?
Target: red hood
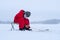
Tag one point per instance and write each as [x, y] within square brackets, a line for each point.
[20, 13]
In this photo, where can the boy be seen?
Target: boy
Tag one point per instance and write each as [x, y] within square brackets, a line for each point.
[21, 18]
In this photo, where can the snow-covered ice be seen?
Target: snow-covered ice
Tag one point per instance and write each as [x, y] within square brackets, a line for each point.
[53, 34]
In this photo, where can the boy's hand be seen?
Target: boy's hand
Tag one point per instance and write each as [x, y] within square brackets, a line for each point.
[27, 26]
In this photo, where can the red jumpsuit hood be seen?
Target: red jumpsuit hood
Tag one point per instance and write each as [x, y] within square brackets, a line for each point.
[21, 13]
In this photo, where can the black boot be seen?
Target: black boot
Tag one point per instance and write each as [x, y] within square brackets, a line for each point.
[28, 29]
[22, 29]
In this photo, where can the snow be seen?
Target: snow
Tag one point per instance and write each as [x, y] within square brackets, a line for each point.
[16, 35]
[52, 34]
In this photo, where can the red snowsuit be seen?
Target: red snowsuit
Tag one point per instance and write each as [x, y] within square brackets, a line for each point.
[19, 18]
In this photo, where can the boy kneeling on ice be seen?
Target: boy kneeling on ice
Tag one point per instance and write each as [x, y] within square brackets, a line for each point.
[21, 18]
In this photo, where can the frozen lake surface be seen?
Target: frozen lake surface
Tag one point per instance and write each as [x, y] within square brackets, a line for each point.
[52, 34]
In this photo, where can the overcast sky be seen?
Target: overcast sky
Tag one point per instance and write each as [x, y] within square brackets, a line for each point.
[40, 9]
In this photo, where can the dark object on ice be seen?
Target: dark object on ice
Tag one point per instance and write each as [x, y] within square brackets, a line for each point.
[25, 29]
[22, 29]
[28, 29]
